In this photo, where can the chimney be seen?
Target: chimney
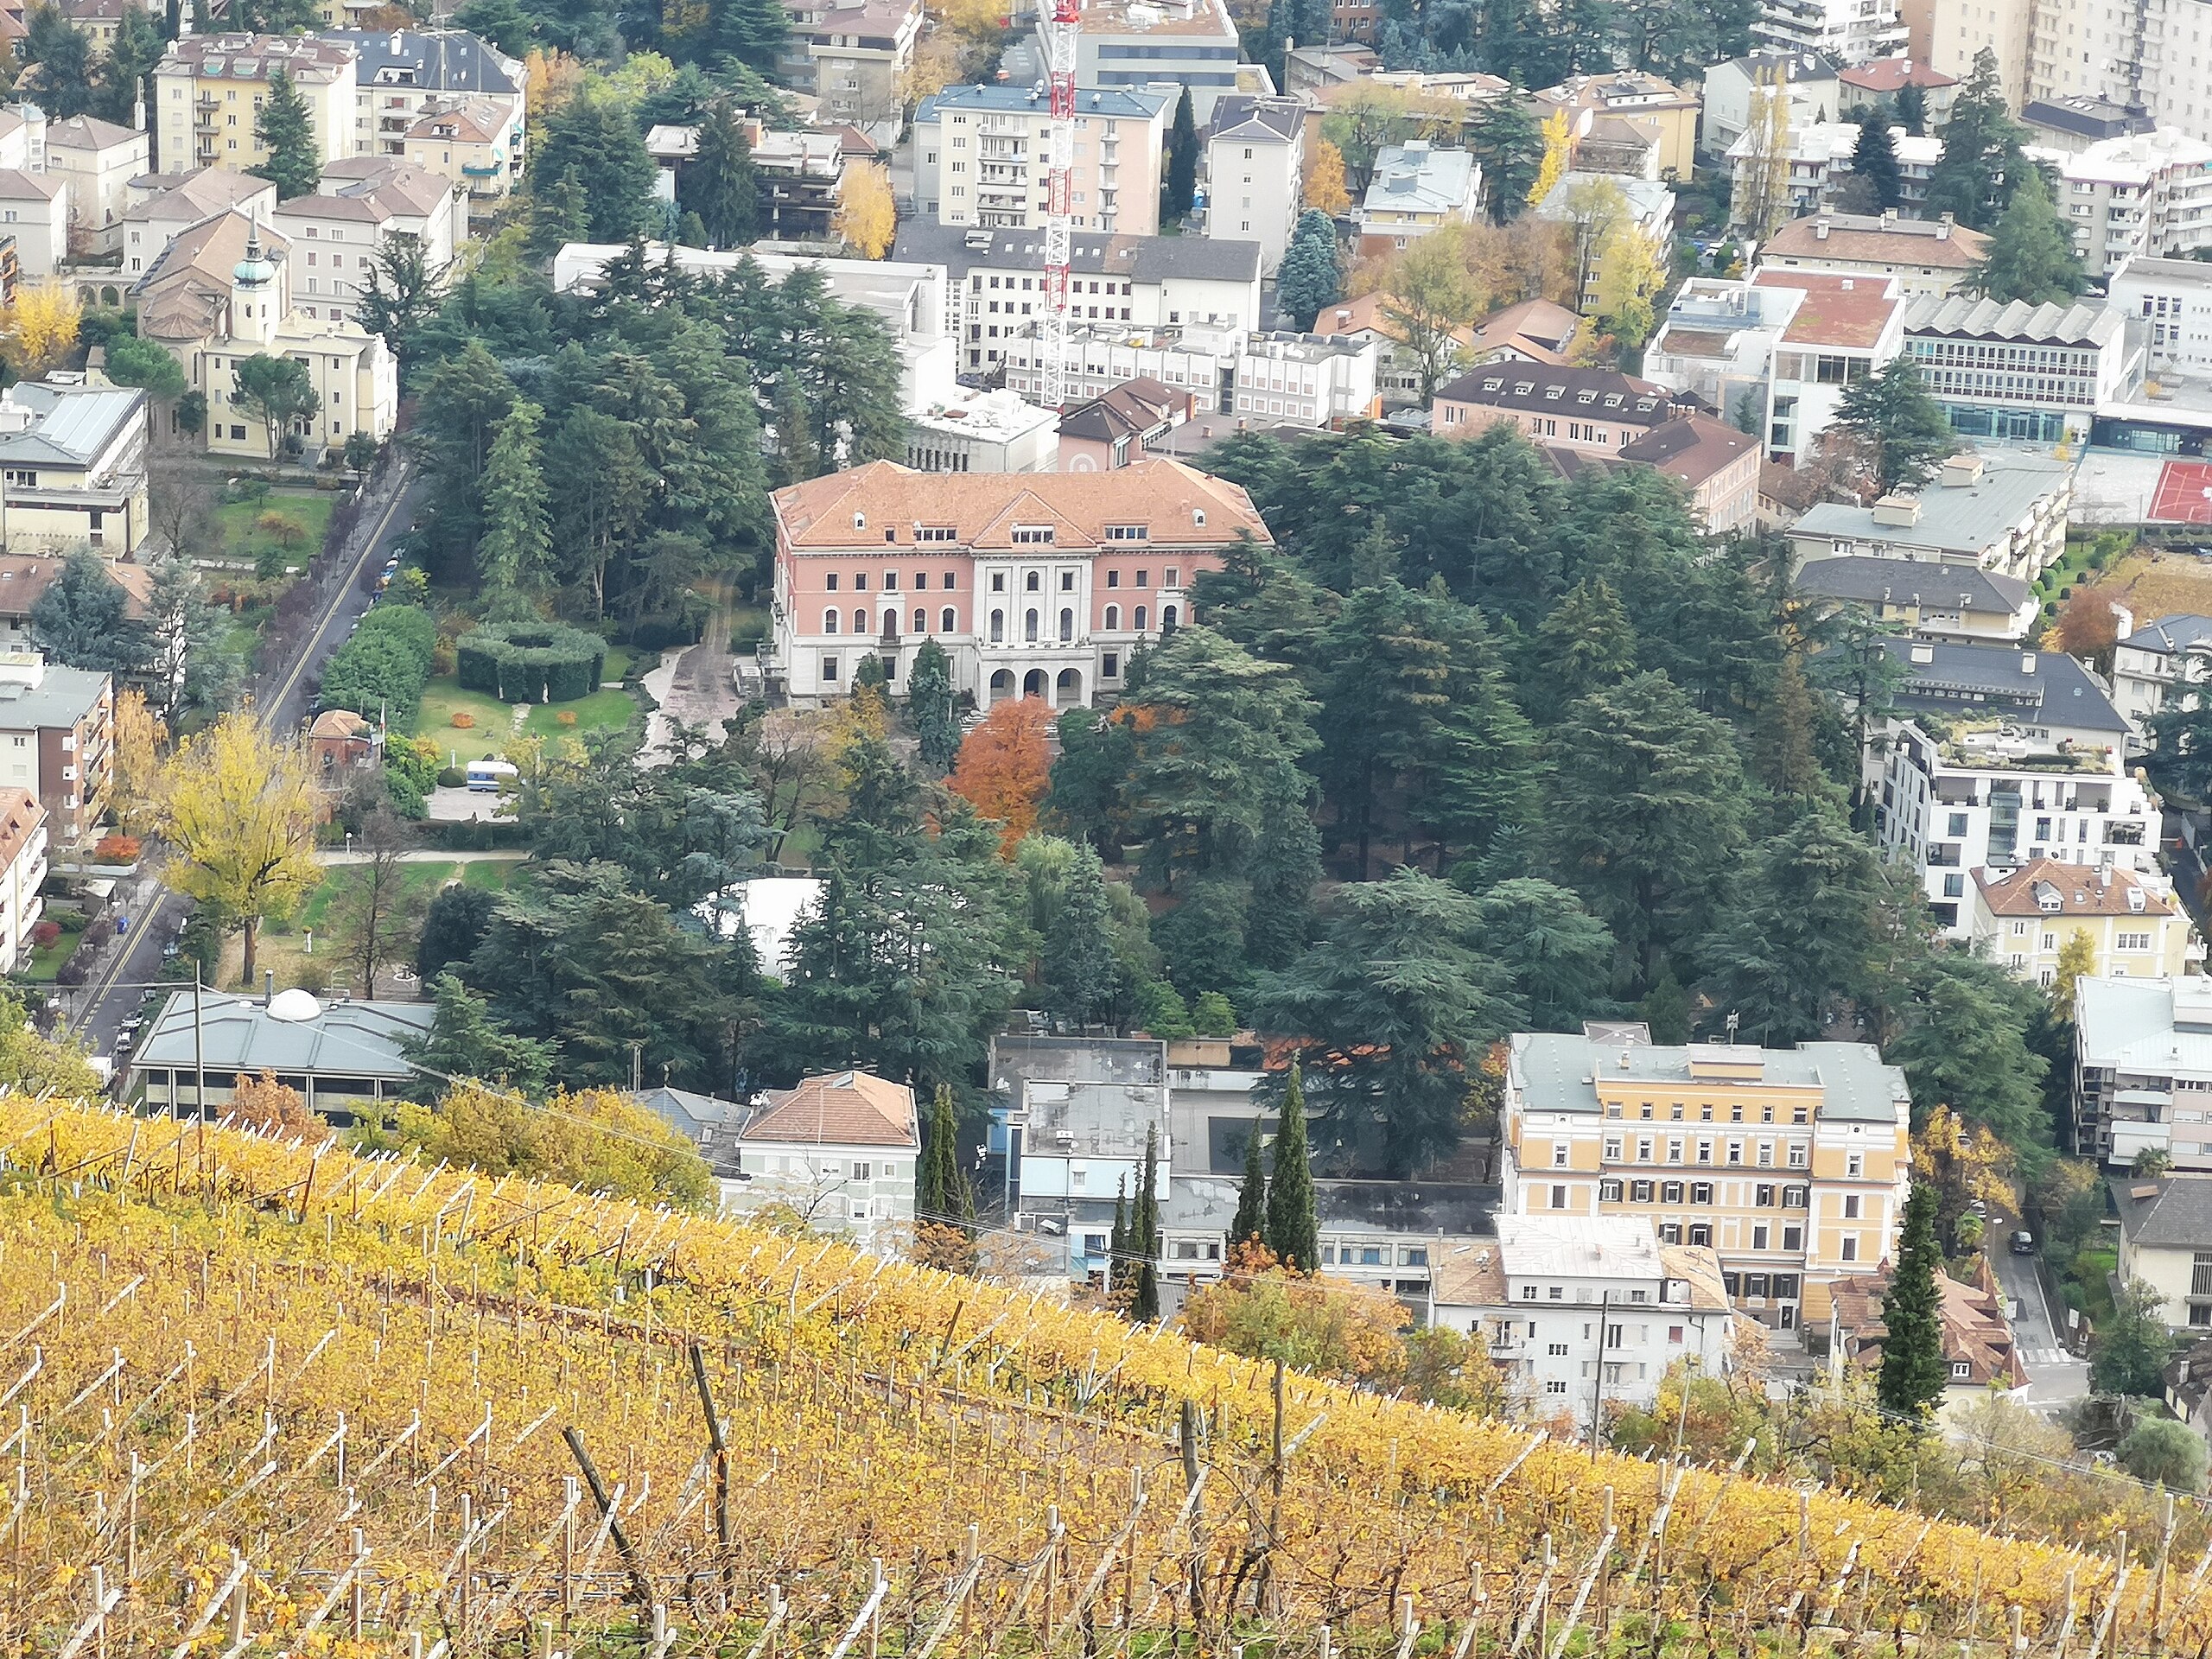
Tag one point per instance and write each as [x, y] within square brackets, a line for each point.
[2027, 662]
[268, 986]
[1820, 230]
[1943, 228]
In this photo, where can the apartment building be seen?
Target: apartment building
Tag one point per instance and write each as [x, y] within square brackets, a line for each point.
[1879, 82]
[980, 154]
[1647, 208]
[1035, 584]
[1716, 342]
[853, 56]
[1072, 1120]
[2143, 1073]
[339, 234]
[23, 873]
[1948, 35]
[1417, 188]
[839, 1148]
[1935, 602]
[100, 19]
[2148, 195]
[1595, 409]
[162, 206]
[2020, 373]
[2000, 512]
[1283, 379]
[1924, 256]
[1255, 169]
[1121, 424]
[208, 88]
[982, 432]
[401, 76]
[2136, 55]
[73, 467]
[1734, 87]
[1664, 114]
[2173, 299]
[1842, 31]
[57, 740]
[1579, 1314]
[1996, 758]
[96, 160]
[1790, 1165]
[475, 143]
[1131, 45]
[1841, 330]
[2026, 918]
[1387, 1236]
[2156, 665]
[35, 214]
[1818, 159]
[801, 175]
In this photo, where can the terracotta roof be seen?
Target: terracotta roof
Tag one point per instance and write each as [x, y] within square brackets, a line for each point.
[1848, 311]
[338, 723]
[1538, 321]
[476, 120]
[1365, 315]
[20, 818]
[874, 506]
[1696, 1266]
[847, 1109]
[24, 577]
[1891, 74]
[1692, 447]
[2045, 886]
[1134, 406]
[1972, 1318]
[183, 294]
[1866, 239]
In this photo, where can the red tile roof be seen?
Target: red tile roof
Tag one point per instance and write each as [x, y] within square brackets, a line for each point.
[2077, 889]
[1891, 74]
[1839, 310]
[843, 1109]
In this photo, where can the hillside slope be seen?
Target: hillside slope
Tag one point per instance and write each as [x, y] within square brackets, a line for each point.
[214, 1346]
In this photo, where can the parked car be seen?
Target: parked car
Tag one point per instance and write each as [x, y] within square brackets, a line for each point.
[2023, 1243]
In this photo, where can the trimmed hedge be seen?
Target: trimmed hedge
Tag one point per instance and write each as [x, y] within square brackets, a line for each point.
[384, 666]
[530, 662]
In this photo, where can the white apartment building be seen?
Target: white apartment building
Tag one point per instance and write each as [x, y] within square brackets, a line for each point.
[98, 160]
[2002, 511]
[2140, 54]
[1925, 255]
[1127, 45]
[2173, 298]
[1843, 31]
[1733, 89]
[1581, 1311]
[1820, 157]
[401, 76]
[2151, 193]
[1417, 188]
[2033, 766]
[1841, 331]
[35, 211]
[1716, 339]
[22, 874]
[1255, 168]
[2154, 666]
[1073, 1117]
[840, 1149]
[339, 234]
[2143, 1070]
[980, 157]
[1276, 378]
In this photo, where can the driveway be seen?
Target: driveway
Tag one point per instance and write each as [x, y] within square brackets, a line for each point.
[2055, 1378]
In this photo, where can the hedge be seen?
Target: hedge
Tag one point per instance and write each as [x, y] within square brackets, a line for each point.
[383, 669]
[530, 662]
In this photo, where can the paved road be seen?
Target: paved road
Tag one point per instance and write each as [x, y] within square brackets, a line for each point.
[2055, 1378]
[95, 1011]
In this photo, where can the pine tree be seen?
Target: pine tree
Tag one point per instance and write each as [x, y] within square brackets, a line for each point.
[1143, 1239]
[929, 706]
[1913, 1372]
[516, 555]
[1251, 1219]
[1902, 429]
[718, 183]
[2031, 255]
[1182, 161]
[1982, 163]
[1293, 1229]
[1509, 143]
[1311, 275]
[1875, 159]
[1913, 109]
[286, 128]
[559, 214]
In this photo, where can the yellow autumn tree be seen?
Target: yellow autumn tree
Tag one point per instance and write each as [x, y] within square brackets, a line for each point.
[41, 325]
[263, 1103]
[133, 781]
[239, 809]
[601, 1140]
[1558, 147]
[1325, 189]
[549, 79]
[866, 217]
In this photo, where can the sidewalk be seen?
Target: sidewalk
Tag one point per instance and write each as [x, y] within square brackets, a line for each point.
[433, 855]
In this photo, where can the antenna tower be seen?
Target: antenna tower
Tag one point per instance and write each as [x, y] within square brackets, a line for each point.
[1059, 23]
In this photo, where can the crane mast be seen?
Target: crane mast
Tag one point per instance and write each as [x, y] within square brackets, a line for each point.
[1059, 23]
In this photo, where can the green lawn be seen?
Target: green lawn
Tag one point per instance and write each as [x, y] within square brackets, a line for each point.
[283, 948]
[443, 697]
[493, 874]
[244, 539]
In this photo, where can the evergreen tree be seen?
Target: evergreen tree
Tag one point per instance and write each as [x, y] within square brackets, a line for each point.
[1558, 957]
[1875, 159]
[718, 184]
[1982, 163]
[1509, 143]
[941, 1191]
[131, 54]
[593, 138]
[754, 32]
[929, 706]
[516, 555]
[2031, 255]
[1117, 1239]
[1294, 1227]
[1902, 428]
[559, 214]
[1586, 645]
[1913, 1371]
[1913, 109]
[2133, 1345]
[1079, 952]
[61, 55]
[286, 127]
[1144, 1233]
[1311, 275]
[1251, 1222]
[1182, 161]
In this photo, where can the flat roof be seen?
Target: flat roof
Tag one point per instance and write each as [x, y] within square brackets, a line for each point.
[347, 1038]
[1954, 517]
[1556, 1071]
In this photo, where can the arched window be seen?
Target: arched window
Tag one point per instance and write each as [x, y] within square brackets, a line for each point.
[1139, 618]
[949, 622]
[860, 621]
[1029, 627]
[1167, 616]
[828, 621]
[998, 627]
[1067, 627]
[921, 620]
[1113, 619]
[1031, 584]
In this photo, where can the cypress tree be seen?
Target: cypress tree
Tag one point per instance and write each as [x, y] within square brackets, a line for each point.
[1182, 160]
[1251, 1221]
[1117, 1239]
[942, 1193]
[1913, 1372]
[1876, 158]
[1144, 1234]
[1293, 1229]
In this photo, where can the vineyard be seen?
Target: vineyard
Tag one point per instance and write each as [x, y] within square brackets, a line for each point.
[262, 1395]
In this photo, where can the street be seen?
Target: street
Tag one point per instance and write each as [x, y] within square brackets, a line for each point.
[2055, 1378]
[95, 1010]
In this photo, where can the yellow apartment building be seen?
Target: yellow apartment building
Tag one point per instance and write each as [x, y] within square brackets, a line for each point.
[1790, 1164]
[2026, 917]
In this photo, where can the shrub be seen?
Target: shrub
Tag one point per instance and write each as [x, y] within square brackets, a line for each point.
[71, 972]
[45, 934]
[116, 849]
[566, 718]
[381, 670]
[463, 719]
[530, 662]
[451, 778]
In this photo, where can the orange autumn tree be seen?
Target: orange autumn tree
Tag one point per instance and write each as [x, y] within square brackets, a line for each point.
[1004, 767]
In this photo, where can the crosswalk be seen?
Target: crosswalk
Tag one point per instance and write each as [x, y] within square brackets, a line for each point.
[2046, 1356]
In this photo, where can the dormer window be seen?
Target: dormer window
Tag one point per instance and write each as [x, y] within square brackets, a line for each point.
[1492, 385]
[1589, 397]
[1553, 394]
[1032, 535]
[1522, 388]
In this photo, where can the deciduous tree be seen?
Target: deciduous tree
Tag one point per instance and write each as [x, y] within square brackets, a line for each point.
[1428, 297]
[1005, 767]
[866, 217]
[239, 809]
[42, 325]
[2133, 1345]
[1324, 189]
[133, 784]
[601, 1140]
[277, 390]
